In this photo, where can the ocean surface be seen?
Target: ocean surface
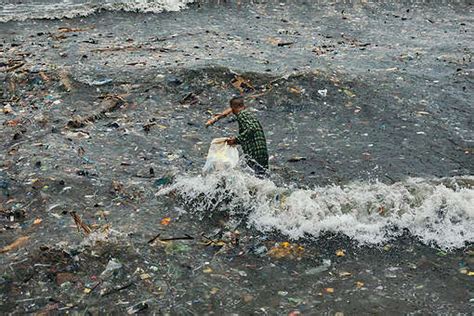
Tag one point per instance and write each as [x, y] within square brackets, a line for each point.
[50, 9]
[368, 115]
[437, 212]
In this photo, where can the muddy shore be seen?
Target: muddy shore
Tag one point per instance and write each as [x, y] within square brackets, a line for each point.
[100, 112]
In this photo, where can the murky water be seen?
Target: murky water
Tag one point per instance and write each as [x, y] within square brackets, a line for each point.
[368, 115]
[47, 9]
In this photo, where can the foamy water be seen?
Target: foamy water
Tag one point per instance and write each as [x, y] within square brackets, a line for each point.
[49, 9]
[438, 212]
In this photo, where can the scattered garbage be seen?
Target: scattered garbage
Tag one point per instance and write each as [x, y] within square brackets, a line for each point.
[286, 250]
[165, 221]
[16, 244]
[137, 308]
[242, 84]
[296, 159]
[323, 267]
[112, 267]
[162, 181]
[81, 226]
[4, 183]
[296, 90]
[261, 250]
[349, 93]
[295, 300]
[101, 82]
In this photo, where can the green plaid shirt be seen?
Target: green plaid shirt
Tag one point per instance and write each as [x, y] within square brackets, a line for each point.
[252, 138]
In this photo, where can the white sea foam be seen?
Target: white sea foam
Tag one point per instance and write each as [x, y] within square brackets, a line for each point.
[438, 212]
[50, 9]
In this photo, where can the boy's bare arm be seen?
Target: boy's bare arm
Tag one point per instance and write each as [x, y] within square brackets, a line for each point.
[219, 116]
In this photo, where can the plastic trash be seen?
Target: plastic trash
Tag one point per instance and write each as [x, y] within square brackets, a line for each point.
[101, 82]
[162, 181]
[137, 308]
[112, 267]
[323, 267]
[220, 156]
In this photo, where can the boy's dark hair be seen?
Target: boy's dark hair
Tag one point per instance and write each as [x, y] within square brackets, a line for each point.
[236, 102]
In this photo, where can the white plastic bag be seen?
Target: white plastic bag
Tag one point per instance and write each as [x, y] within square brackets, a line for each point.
[220, 156]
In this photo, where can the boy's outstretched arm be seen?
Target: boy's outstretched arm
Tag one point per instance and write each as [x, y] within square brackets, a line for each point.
[219, 116]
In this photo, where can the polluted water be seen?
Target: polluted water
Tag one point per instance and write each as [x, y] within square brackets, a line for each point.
[438, 212]
[116, 198]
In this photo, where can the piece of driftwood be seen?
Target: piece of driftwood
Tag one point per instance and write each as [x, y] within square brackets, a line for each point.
[80, 224]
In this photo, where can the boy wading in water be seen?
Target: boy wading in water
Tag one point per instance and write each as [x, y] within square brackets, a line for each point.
[251, 136]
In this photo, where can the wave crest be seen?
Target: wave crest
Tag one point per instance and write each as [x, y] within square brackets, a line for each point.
[68, 9]
[438, 212]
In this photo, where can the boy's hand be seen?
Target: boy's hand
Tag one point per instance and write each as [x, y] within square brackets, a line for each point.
[214, 119]
[231, 141]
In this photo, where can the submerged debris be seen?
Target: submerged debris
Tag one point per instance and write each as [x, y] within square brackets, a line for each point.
[286, 250]
[21, 241]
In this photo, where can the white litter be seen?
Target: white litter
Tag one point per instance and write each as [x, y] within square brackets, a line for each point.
[220, 156]
[323, 92]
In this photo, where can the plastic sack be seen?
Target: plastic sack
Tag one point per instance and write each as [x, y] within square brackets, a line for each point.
[220, 156]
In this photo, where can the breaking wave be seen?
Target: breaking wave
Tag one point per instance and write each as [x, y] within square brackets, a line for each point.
[50, 9]
[438, 212]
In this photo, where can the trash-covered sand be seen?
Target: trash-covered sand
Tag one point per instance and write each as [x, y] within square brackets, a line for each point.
[367, 110]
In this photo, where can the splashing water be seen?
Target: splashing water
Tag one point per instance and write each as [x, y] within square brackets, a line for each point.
[438, 212]
[50, 9]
